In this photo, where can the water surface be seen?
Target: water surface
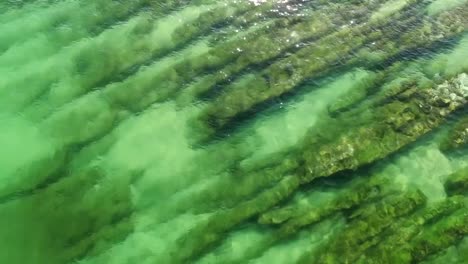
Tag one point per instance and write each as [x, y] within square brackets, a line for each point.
[233, 131]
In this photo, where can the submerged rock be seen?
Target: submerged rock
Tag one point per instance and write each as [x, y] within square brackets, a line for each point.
[457, 183]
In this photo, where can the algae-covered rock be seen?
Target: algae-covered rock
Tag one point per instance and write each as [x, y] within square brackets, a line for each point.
[294, 217]
[396, 245]
[441, 235]
[205, 235]
[331, 53]
[400, 122]
[387, 129]
[363, 230]
[457, 182]
[457, 137]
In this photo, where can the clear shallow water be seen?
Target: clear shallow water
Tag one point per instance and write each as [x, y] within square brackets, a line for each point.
[233, 131]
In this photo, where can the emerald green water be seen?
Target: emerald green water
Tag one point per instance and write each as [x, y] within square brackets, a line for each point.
[246, 131]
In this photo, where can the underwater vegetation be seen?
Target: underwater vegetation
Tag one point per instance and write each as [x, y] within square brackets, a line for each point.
[234, 131]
